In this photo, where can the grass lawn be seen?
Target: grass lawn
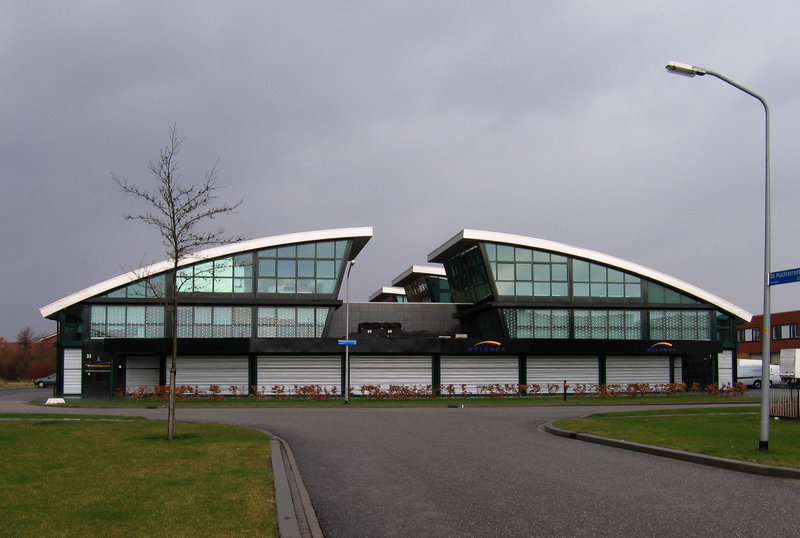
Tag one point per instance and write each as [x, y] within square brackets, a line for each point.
[724, 432]
[110, 477]
[6, 384]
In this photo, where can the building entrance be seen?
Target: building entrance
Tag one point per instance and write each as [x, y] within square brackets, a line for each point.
[97, 384]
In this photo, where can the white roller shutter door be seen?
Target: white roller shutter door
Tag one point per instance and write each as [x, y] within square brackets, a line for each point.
[72, 371]
[474, 371]
[648, 369]
[299, 370]
[725, 365]
[204, 371]
[544, 371]
[142, 371]
[390, 370]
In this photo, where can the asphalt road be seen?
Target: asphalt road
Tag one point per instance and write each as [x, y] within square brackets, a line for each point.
[490, 471]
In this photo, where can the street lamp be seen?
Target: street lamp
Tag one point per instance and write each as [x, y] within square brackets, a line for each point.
[690, 71]
[350, 265]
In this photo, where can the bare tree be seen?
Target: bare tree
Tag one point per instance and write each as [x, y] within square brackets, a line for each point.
[177, 211]
[26, 337]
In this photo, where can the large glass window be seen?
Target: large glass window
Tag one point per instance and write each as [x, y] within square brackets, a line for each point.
[608, 324]
[537, 323]
[222, 276]
[214, 322]
[751, 334]
[680, 324]
[591, 280]
[660, 294]
[784, 332]
[526, 274]
[130, 321]
[305, 270]
[469, 282]
[291, 321]
[149, 287]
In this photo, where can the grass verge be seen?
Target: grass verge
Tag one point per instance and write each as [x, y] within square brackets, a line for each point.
[731, 433]
[113, 477]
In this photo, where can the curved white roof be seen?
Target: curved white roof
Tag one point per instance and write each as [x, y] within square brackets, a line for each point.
[360, 236]
[467, 237]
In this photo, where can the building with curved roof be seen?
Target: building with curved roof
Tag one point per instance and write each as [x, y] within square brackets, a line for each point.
[503, 309]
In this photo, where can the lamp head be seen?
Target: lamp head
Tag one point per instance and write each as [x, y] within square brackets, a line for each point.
[685, 69]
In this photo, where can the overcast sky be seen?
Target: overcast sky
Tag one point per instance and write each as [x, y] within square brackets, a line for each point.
[553, 119]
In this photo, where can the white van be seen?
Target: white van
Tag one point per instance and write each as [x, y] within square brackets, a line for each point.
[749, 373]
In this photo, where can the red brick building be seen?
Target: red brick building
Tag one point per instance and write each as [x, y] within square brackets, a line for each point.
[783, 335]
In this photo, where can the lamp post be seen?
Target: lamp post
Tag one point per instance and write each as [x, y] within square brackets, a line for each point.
[350, 265]
[766, 337]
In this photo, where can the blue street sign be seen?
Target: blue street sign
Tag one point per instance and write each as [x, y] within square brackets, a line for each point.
[784, 277]
[348, 342]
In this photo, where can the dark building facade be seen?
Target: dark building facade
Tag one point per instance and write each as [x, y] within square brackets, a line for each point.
[502, 309]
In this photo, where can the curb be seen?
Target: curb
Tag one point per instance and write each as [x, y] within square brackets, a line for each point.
[296, 516]
[712, 461]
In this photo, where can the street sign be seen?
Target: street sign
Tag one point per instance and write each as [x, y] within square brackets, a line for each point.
[784, 277]
[348, 342]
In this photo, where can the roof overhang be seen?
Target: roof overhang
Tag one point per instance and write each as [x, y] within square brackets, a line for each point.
[416, 270]
[388, 291]
[359, 237]
[467, 238]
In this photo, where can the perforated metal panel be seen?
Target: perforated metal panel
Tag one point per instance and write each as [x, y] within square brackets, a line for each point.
[299, 370]
[203, 372]
[72, 371]
[142, 371]
[474, 371]
[647, 369]
[390, 370]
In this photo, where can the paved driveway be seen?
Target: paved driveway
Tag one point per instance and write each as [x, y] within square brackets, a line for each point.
[491, 472]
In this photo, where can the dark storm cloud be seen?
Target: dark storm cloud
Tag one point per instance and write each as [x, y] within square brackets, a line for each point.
[548, 119]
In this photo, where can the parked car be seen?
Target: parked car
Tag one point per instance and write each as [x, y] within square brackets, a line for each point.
[47, 381]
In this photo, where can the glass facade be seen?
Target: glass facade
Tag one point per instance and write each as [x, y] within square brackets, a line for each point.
[578, 324]
[126, 321]
[524, 274]
[307, 270]
[146, 288]
[215, 321]
[554, 296]
[659, 294]
[529, 276]
[428, 289]
[303, 271]
[469, 281]
[593, 281]
[226, 276]
[538, 323]
[680, 324]
[291, 322]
